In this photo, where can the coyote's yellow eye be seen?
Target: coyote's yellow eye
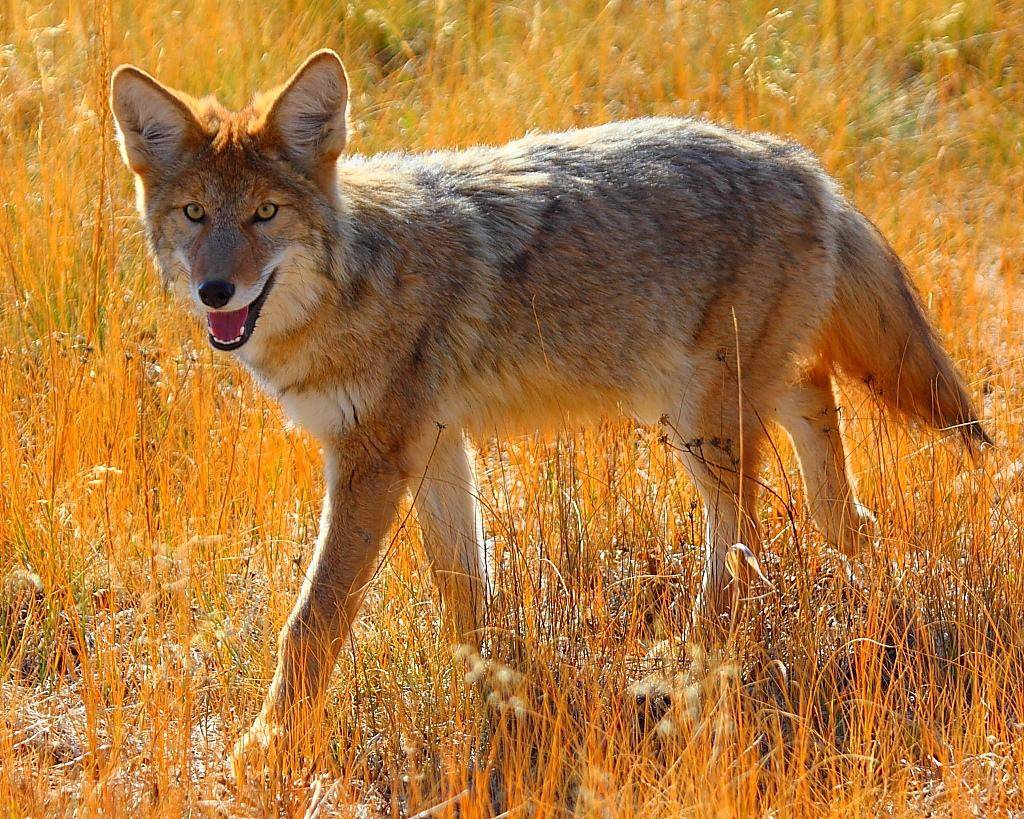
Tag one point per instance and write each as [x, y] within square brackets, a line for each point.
[266, 212]
[194, 212]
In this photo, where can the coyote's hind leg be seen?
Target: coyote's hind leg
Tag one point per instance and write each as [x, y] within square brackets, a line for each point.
[724, 467]
[809, 414]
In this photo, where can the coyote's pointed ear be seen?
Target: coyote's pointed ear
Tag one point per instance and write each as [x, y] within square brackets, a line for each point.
[308, 116]
[154, 125]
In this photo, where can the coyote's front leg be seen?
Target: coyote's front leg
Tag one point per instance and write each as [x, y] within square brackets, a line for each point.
[362, 492]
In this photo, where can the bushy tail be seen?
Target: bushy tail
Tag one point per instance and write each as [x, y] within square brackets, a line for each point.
[879, 334]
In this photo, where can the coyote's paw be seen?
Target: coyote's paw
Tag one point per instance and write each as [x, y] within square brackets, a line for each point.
[261, 750]
[862, 532]
[867, 525]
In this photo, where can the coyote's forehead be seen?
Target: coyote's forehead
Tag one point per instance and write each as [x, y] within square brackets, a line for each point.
[233, 173]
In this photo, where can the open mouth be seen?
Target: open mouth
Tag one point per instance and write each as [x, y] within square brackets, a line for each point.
[230, 329]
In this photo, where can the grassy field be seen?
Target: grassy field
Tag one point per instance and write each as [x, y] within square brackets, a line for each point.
[156, 514]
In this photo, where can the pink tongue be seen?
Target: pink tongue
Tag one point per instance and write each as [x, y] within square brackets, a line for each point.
[227, 326]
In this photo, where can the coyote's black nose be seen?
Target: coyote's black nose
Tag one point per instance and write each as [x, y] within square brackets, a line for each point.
[216, 292]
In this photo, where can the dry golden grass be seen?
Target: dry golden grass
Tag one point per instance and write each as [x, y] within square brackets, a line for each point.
[155, 513]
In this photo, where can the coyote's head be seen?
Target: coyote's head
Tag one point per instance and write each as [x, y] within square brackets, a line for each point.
[240, 208]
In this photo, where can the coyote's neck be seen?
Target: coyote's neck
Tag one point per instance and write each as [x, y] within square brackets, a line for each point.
[383, 299]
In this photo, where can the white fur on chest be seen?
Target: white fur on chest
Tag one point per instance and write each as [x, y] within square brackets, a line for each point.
[325, 412]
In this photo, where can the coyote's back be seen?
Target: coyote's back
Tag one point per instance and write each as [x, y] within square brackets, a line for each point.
[610, 264]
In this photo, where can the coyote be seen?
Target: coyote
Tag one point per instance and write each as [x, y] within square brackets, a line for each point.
[693, 276]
